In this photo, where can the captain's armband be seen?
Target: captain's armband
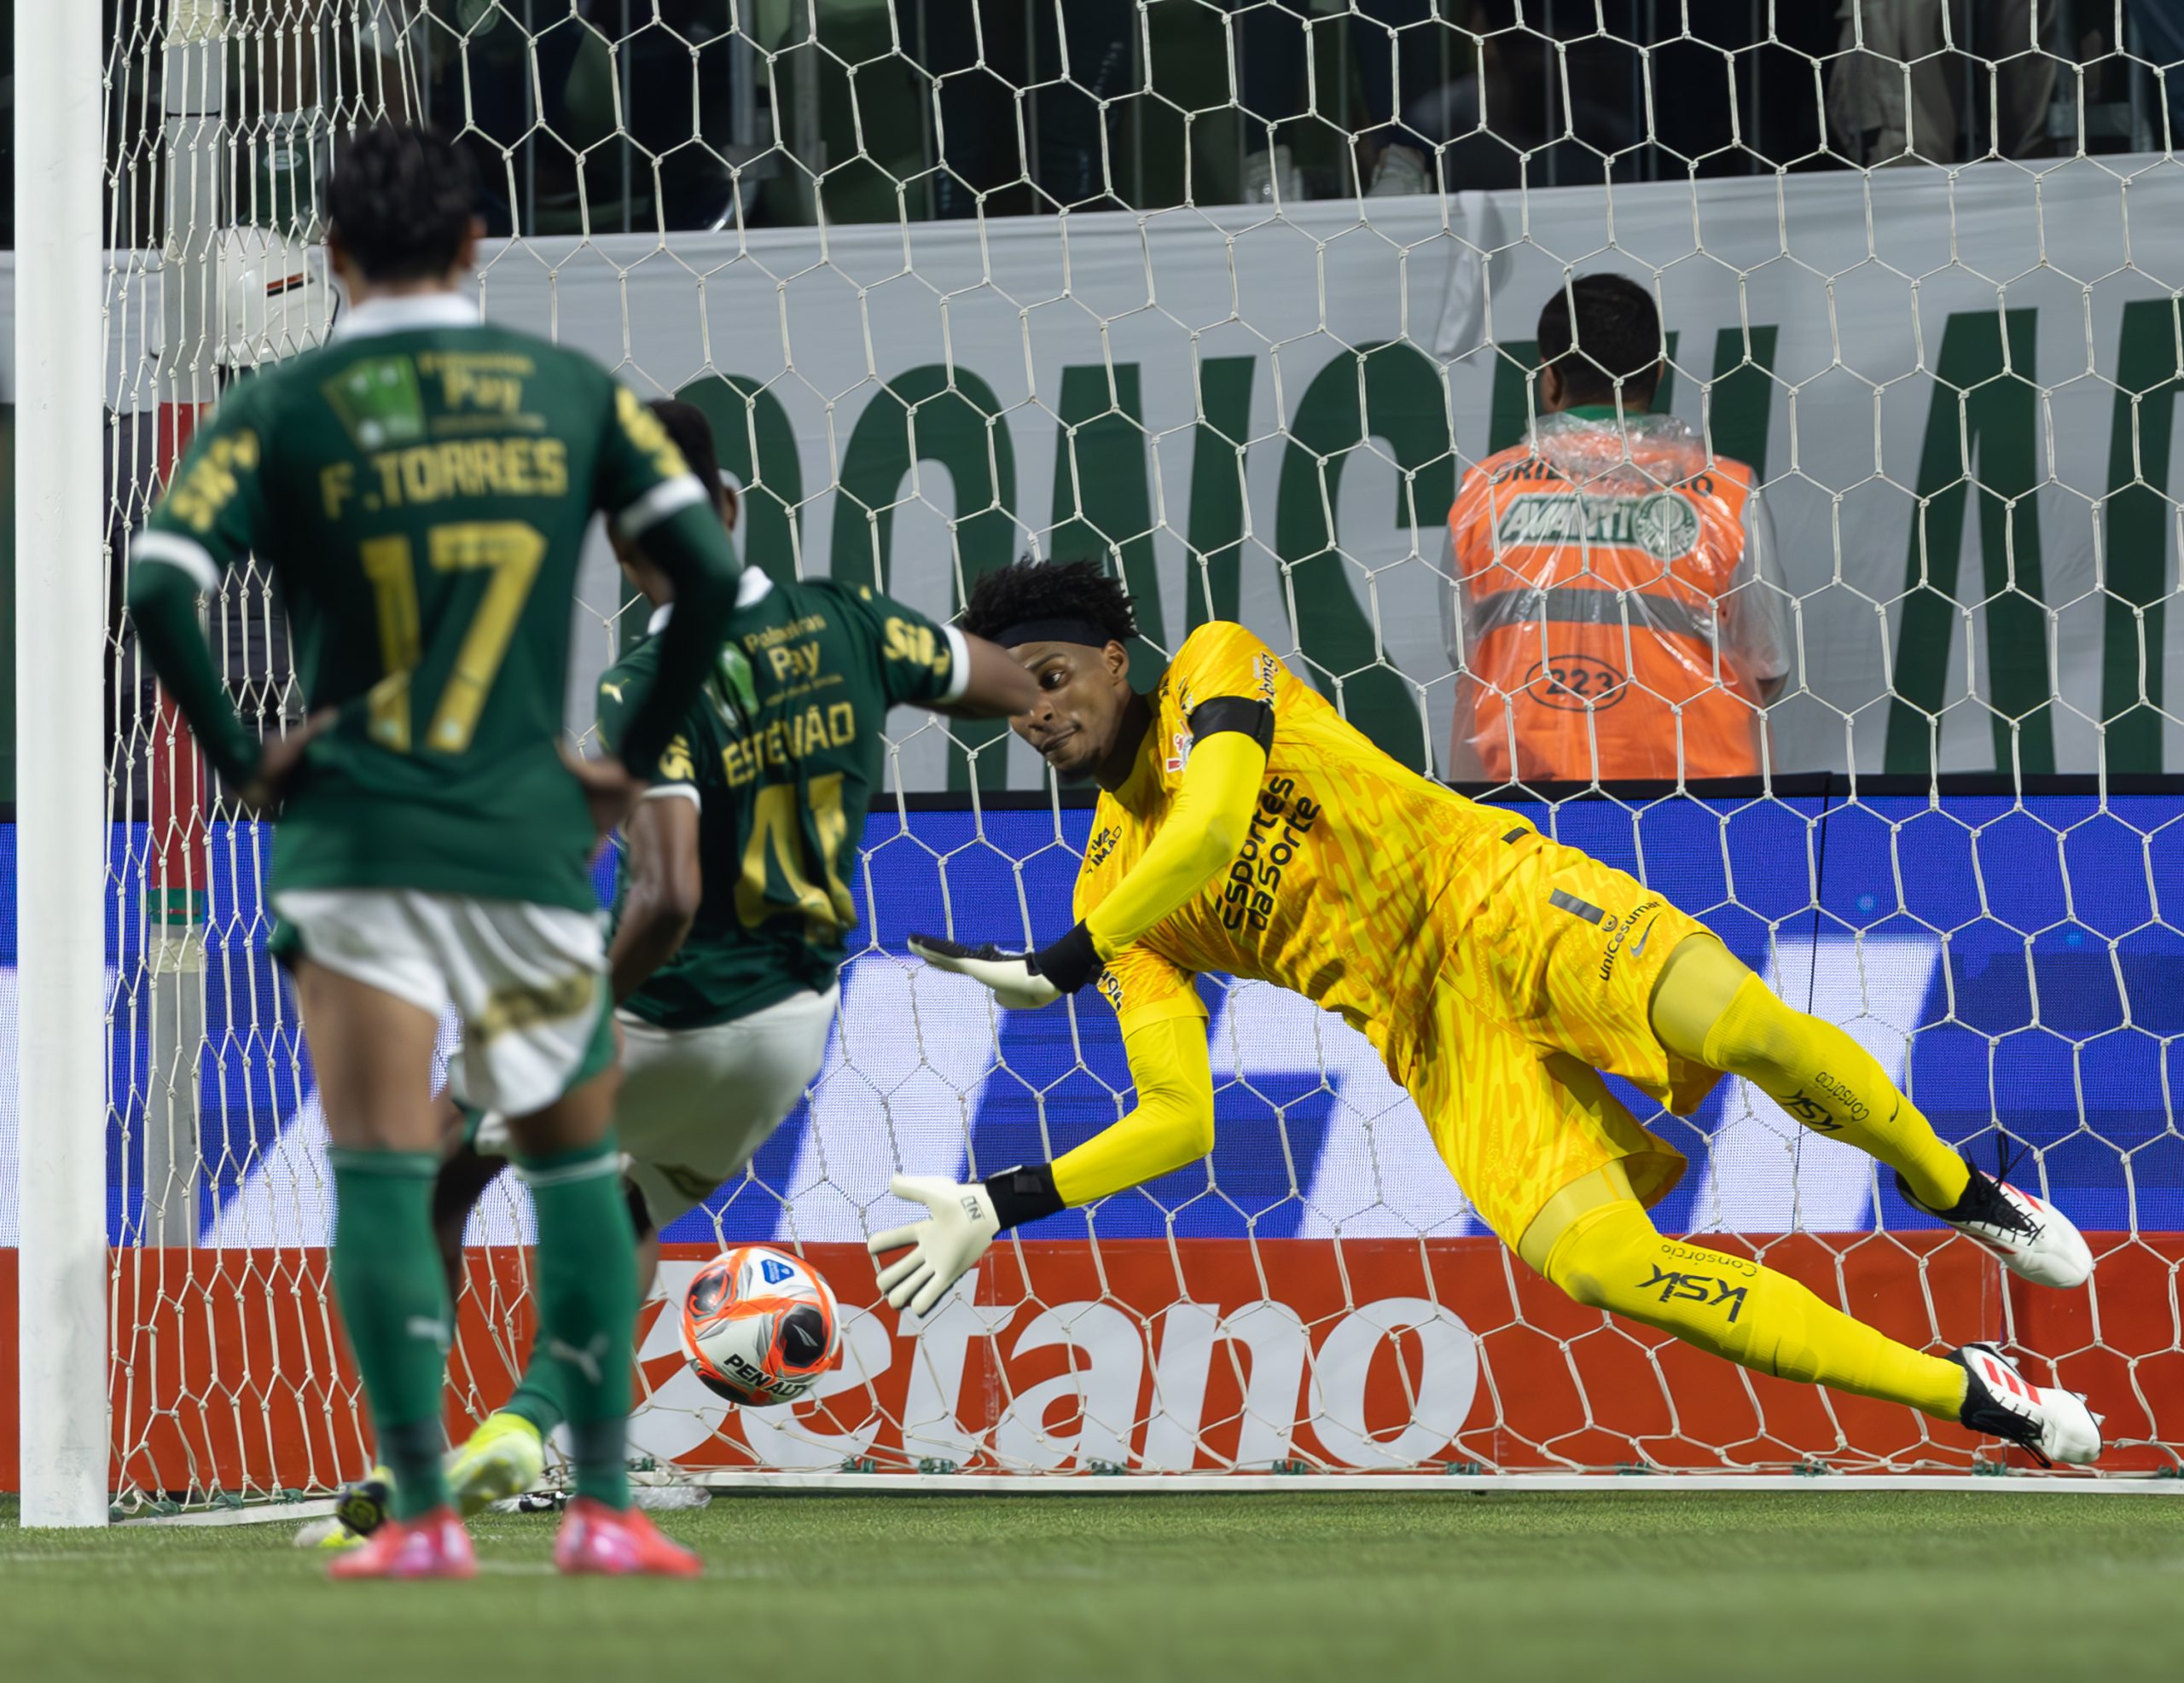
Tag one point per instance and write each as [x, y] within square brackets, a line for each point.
[1238, 713]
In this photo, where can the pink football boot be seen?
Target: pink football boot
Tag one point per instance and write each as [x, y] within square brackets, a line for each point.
[431, 1546]
[596, 1539]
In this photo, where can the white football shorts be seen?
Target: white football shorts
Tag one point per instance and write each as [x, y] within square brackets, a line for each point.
[696, 1104]
[527, 983]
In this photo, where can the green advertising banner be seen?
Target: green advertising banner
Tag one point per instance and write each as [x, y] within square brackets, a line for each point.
[1957, 389]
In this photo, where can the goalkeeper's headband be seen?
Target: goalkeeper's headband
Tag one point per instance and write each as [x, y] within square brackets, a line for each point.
[1061, 629]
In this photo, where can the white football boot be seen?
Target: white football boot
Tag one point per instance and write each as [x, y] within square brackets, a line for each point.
[2000, 1401]
[2033, 1239]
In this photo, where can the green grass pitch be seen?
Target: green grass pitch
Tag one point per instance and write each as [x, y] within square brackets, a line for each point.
[1334, 1585]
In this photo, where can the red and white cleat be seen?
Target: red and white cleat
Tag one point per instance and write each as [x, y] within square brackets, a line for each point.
[2000, 1401]
[2034, 1240]
[431, 1546]
[597, 1540]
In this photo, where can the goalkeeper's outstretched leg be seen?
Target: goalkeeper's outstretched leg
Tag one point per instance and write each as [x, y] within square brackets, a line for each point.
[1596, 1241]
[1556, 1166]
[1710, 1010]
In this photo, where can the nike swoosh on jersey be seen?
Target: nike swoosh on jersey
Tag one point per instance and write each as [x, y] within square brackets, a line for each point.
[1638, 946]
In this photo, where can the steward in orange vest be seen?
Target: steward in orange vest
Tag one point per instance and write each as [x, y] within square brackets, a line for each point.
[1615, 610]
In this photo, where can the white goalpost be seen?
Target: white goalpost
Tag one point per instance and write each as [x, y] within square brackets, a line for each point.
[1075, 283]
[60, 839]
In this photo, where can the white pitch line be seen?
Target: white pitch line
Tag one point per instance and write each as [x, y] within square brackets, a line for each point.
[1505, 1484]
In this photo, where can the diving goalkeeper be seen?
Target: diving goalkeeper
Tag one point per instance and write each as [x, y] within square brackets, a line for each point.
[1244, 827]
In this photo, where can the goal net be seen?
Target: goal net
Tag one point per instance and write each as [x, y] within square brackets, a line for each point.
[1233, 299]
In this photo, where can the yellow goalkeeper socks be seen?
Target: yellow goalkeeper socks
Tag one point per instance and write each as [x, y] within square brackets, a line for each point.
[1611, 1258]
[1710, 1008]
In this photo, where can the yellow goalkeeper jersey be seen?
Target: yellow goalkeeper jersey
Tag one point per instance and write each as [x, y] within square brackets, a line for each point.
[1357, 876]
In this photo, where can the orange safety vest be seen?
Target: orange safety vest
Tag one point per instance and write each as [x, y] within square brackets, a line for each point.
[1592, 563]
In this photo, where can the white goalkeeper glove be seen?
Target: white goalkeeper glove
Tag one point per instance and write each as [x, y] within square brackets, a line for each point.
[1020, 981]
[942, 1248]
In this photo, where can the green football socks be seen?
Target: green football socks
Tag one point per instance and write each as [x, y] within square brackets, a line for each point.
[587, 1258]
[538, 1399]
[393, 1300]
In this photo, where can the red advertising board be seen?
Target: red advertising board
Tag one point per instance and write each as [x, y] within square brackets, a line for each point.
[1370, 1355]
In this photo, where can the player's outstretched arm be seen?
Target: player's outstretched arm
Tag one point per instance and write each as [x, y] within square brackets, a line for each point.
[1203, 830]
[1171, 1125]
[997, 685]
[1201, 834]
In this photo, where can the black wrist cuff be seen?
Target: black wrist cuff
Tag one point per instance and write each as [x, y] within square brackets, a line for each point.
[1024, 1195]
[1070, 963]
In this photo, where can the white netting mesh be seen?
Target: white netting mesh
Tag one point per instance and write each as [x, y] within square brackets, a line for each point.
[1236, 298]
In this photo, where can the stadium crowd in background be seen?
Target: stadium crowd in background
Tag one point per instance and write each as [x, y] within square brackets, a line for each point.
[607, 116]
[1882, 113]
[1420, 95]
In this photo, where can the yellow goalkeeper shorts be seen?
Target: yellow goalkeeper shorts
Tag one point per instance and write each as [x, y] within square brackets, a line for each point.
[1517, 1121]
[1551, 982]
[1565, 953]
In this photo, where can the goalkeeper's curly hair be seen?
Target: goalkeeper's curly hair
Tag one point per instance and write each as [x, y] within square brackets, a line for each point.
[1050, 590]
[400, 200]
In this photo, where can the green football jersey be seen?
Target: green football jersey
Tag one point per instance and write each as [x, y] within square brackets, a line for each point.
[782, 756]
[421, 488]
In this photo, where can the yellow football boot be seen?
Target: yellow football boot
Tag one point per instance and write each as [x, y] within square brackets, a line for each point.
[503, 1458]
